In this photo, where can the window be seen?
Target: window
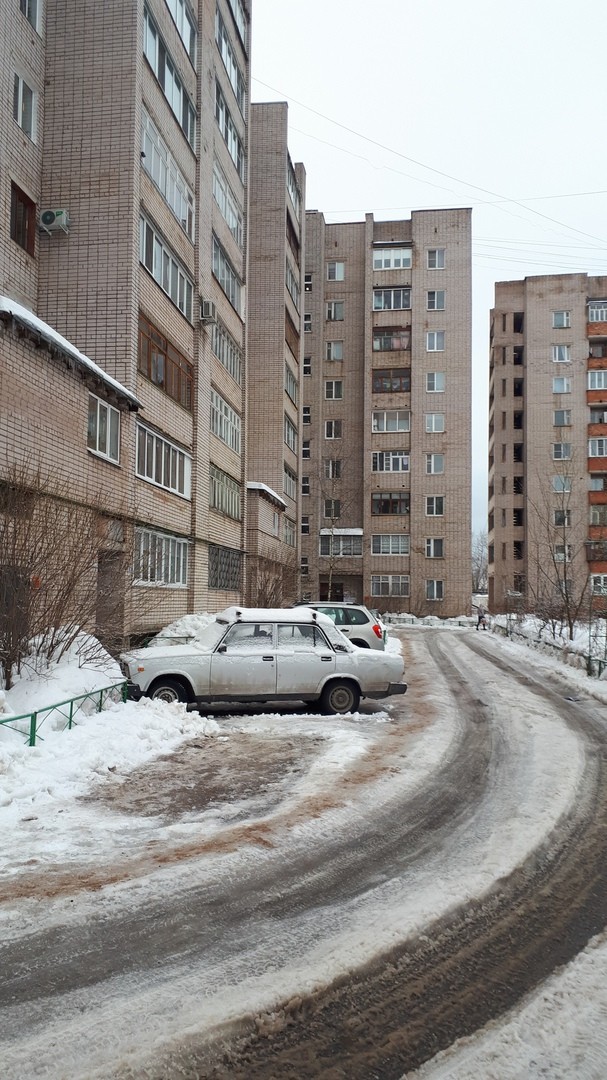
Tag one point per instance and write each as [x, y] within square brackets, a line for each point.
[163, 364]
[289, 482]
[389, 585]
[391, 340]
[332, 468]
[224, 569]
[562, 518]
[306, 414]
[597, 380]
[435, 422]
[226, 275]
[597, 311]
[307, 323]
[560, 484]
[229, 132]
[335, 311]
[390, 544]
[332, 429]
[435, 505]
[599, 584]
[337, 544]
[518, 322]
[434, 548]
[290, 435]
[435, 341]
[598, 415]
[230, 62]
[560, 320]
[336, 271]
[434, 590]
[391, 461]
[159, 559]
[305, 448]
[160, 165]
[561, 385]
[391, 299]
[561, 354]
[227, 351]
[435, 300]
[390, 502]
[598, 482]
[165, 268]
[562, 553]
[290, 384]
[435, 464]
[30, 10]
[307, 365]
[305, 485]
[225, 422]
[304, 566]
[597, 447]
[23, 106]
[561, 451]
[332, 508]
[159, 59]
[295, 197]
[334, 350]
[23, 220]
[391, 420]
[162, 463]
[435, 382]
[224, 493]
[392, 258]
[561, 417]
[334, 389]
[292, 283]
[435, 259]
[307, 283]
[305, 525]
[391, 380]
[103, 435]
[229, 205]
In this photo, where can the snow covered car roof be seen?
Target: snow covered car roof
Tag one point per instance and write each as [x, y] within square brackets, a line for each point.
[279, 615]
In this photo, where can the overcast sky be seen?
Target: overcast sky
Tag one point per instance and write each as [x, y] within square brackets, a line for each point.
[399, 105]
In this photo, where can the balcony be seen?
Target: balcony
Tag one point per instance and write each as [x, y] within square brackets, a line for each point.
[596, 551]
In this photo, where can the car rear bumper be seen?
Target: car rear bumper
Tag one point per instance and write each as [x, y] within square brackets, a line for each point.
[393, 688]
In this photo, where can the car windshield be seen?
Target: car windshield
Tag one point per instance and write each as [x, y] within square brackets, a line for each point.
[208, 636]
[337, 639]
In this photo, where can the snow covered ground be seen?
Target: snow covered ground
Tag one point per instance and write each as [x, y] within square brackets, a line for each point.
[558, 1032]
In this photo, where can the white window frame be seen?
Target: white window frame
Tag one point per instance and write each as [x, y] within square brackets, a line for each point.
[599, 584]
[566, 522]
[333, 429]
[435, 300]
[227, 351]
[163, 66]
[160, 559]
[435, 423]
[164, 172]
[25, 102]
[30, 8]
[383, 420]
[289, 532]
[295, 197]
[390, 461]
[435, 382]
[336, 270]
[390, 585]
[229, 132]
[230, 62]
[398, 299]
[290, 434]
[166, 270]
[597, 379]
[291, 386]
[334, 389]
[334, 350]
[597, 448]
[435, 547]
[561, 320]
[332, 468]
[224, 493]
[392, 258]
[597, 311]
[184, 21]
[225, 422]
[292, 283]
[565, 422]
[563, 553]
[306, 414]
[561, 354]
[229, 205]
[431, 504]
[227, 276]
[561, 451]
[390, 544]
[435, 589]
[335, 311]
[435, 464]
[435, 341]
[435, 259]
[340, 545]
[161, 463]
[306, 451]
[332, 509]
[103, 433]
[561, 484]
[556, 383]
[307, 323]
[289, 482]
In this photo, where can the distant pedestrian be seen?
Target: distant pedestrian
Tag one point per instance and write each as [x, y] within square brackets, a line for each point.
[482, 618]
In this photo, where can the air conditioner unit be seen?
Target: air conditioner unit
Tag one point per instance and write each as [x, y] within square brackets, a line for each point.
[53, 220]
[208, 311]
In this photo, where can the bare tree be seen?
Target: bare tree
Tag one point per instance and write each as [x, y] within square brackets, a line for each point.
[337, 502]
[480, 563]
[270, 582]
[61, 569]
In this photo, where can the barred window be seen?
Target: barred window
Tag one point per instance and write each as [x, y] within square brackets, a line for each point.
[160, 559]
[224, 493]
[225, 422]
[225, 573]
[162, 463]
[227, 351]
[163, 364]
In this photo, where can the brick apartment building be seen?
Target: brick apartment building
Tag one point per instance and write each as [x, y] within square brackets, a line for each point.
[386, 422]
[548, 443]
[123, 231]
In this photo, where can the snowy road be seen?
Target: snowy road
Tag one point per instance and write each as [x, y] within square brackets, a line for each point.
[301, 897]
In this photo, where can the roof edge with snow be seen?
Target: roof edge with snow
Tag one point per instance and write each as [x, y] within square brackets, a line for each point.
[270, 494]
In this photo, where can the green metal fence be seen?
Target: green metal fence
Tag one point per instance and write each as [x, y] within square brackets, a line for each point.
[66, 709]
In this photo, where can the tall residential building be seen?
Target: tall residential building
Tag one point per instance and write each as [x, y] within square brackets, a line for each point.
[276, 245]
[123, 200]
[386, 421]
[548, 443]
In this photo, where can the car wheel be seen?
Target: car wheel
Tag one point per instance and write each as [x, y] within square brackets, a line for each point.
[169, 690]
[361, 644]
[340, 697]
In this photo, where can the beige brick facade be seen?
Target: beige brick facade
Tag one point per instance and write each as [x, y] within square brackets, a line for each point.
[387, 402]
[548, 442]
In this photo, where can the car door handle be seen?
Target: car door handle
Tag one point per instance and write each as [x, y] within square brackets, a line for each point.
[327, 659]
[267, 658]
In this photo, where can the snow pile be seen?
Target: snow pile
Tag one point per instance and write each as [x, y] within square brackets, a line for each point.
[183, 631]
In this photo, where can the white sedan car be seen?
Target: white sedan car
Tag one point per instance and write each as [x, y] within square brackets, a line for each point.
[265, 654]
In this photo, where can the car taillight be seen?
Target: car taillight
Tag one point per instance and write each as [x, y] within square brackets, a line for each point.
[377, 630]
